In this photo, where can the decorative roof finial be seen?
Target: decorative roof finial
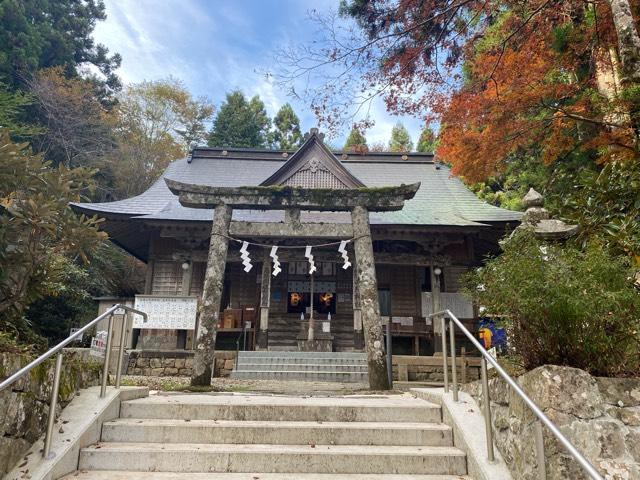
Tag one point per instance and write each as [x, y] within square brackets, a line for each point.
[312, 132]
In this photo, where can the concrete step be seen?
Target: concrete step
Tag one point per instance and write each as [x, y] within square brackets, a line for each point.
[279, 360]
[189, 457]
[307, 367]
[130, 475]
[352, 408]
[269, 432]
[309, 376]
[303, 355]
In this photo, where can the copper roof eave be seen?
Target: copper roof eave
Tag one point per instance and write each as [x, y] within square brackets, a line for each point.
[278, 198]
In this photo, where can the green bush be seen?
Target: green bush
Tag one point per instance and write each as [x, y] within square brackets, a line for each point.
[562, 305]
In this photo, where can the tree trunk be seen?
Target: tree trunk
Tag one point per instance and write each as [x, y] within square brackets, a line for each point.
[209, 313]
[368, 288]
[628, 41]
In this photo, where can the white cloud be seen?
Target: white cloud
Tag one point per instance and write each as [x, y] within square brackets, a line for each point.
[215, 47]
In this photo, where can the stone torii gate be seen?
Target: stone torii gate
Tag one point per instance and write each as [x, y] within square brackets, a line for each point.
[358, 201]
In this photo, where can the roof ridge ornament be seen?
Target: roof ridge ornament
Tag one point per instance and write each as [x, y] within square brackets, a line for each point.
[314, 132]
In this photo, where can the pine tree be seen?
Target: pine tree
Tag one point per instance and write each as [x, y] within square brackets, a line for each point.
[356, 141]
[400, 139]
[428, 141]
[240, 123]
[286, 134]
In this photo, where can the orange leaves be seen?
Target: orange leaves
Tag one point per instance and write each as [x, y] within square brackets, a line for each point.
[526, 95]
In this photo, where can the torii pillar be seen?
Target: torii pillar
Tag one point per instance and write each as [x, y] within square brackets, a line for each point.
[209, 310]
[368, 293]
[358, 201]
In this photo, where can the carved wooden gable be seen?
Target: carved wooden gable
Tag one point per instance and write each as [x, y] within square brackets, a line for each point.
[314, 166]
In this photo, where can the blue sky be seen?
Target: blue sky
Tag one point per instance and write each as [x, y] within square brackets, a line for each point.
[217, 46]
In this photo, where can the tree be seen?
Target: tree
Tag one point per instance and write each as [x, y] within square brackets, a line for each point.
[240, 123]
[562, 305]
[400, 139]
[155, 123]
[76, 127]
[465, 60]
[37, 225]
[39, 34]
[12, 113]
[286, 134]
[428, 141]
[356, 141]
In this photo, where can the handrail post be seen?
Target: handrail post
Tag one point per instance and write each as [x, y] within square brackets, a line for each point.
[445, 368]
[454, 367]
[542, 470]
[53, 403]
[123, 330]
[389, 355]
[107, 352]
[487, 409]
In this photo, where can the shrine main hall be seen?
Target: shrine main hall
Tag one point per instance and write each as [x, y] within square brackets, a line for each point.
[289, 272]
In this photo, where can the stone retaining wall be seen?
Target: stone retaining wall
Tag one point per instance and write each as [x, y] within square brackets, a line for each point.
[24, 406]
[175, 363]
[429, 369]
[600, 416]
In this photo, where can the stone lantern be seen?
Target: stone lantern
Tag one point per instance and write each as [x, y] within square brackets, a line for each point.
[536, 217]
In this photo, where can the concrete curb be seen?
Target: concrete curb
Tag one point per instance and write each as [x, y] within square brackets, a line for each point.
[467, 422]
[79, 425]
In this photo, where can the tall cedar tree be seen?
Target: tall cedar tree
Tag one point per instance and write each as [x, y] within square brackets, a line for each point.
[286, 134]
[428, 141]
[356, 141]
[240, 123]
[400, 139]
[38, 34]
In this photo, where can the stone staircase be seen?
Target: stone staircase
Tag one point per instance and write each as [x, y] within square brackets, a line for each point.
[309, 366]
[259, 437]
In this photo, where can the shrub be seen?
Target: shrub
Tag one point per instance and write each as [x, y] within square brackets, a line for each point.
[562, 305]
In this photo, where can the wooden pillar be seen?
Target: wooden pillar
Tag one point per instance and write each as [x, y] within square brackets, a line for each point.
[368, 287]
[358, 336]
[209, 310]
[265, 303]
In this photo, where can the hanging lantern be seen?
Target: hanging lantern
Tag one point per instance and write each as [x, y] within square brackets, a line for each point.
[276, 262]
[312, 264]
[244, 255]
[343, 250]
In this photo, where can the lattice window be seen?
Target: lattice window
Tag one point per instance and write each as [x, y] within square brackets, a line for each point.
[167, 278]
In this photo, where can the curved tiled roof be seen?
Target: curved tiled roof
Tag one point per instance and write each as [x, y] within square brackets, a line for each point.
[442, 199]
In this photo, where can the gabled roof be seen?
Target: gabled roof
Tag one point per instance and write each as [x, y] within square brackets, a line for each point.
[313, 165]
[442, 199]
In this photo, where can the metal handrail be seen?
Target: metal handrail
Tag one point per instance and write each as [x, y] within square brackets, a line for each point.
[58, 367]
[487, 357]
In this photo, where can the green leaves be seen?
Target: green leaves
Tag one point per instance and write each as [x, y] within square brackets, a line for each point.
[240, 123]
[562, 305]
[37, 224]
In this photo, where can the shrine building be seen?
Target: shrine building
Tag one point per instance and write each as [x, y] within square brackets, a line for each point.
[425, 230]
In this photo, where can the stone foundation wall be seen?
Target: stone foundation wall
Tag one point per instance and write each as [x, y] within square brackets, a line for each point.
[429, 369]
[24, 406]
[175, 363]
[600, 416]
